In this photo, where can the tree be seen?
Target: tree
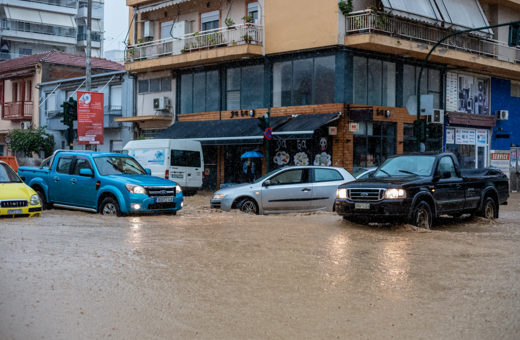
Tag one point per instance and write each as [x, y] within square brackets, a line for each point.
[29, 141]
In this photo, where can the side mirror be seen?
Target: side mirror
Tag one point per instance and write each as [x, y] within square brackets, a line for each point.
[445, 174]
[86, 172]
[371, 174]
[22, 178]
[267, 183]
[148, 171]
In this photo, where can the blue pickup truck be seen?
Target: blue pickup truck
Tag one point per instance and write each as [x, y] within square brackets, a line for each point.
[106, 183]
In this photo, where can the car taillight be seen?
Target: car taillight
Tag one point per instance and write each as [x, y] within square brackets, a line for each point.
[167, 174]
[203, 176]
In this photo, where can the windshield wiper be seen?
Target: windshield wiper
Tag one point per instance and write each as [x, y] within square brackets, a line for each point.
[409, 172]
[116, 167]
[385, 172]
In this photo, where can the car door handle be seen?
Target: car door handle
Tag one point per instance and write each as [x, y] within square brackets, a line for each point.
[73, 181]
[306, 189]
[56, 179]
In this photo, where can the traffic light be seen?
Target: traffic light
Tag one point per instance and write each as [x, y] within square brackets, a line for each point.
[262, 124]
[70, 114]
[514, 35]
[420, 130]
[427, 131]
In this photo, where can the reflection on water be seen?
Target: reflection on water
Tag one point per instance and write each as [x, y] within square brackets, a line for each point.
[339, 257]
[395, 265]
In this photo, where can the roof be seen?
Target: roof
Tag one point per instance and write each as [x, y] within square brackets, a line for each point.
[57, 57]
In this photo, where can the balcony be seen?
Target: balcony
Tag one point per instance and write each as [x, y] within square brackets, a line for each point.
[384, 33]
[17, 111]
[61, 3]
[97, 11]
[215, 45]
[13, 28]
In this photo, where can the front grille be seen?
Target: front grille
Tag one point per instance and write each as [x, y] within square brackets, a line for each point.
[14, 204]
[366, 195]
[34, 209]
[159, 206]
[161, 191]
[14, 216]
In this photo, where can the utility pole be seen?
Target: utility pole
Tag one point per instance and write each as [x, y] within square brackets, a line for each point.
[89, 46]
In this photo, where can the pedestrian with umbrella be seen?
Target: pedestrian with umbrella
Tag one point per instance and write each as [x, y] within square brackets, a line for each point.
[250, 165]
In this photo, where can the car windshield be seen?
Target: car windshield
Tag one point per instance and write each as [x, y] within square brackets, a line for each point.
[406, 166]
[115, 165]
[7, 175]
[266, 176]
[359, 172]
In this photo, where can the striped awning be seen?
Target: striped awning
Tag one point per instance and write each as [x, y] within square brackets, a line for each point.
[157, 5]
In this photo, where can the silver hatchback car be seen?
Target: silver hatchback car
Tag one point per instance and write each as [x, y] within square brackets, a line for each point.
[289, 189]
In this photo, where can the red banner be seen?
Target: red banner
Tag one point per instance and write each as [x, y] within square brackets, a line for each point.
[90, 118]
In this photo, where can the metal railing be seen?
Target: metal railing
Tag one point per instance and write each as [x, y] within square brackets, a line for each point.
[114, 109]
[61, 3]
[93, 36]
[17, 110]
[22, 26]
[53, 113]
[220, 37]
[368, 22]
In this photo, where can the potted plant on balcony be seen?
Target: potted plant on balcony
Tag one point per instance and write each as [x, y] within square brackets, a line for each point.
[345, 7]
[381, 20]
[230, 24]
[234, 43]
[249, 18]
[247, 38]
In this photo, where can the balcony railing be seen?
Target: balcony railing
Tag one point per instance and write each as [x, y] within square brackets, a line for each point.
[23, 26]
[93, 36]
[116, 110]
[220, 37]
[17, 110]
[369, 22]
[61, 3]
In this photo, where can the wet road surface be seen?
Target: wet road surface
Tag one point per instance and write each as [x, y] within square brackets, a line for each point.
[211, 275]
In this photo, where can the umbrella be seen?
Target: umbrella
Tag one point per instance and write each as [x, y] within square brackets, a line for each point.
[252, 154]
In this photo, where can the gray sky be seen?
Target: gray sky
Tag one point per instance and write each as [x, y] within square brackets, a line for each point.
[116, 24]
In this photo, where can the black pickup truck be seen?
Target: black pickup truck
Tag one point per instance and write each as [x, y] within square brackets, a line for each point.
[418, 187]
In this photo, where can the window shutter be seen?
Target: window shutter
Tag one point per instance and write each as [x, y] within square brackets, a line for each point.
[233, 100]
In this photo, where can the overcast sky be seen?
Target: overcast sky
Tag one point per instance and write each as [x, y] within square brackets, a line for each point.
[116, 24]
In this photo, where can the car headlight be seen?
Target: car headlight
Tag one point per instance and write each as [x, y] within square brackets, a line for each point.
[218, 197]
[395, 193]
[178, 189]
[342, 193]
[35, 200]
[136, 189]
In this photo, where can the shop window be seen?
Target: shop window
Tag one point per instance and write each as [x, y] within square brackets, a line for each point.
[374, 82]
[163, 84]
[515, 89]
[245, 88]
[304, 82]
[374, 143]
[431, 144]
[150, 134]
[200, 92]
[431, 83]
[209, 20]
[326, 175]
[465, 155]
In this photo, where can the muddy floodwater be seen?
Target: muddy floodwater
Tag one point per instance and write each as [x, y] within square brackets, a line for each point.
[204, 274]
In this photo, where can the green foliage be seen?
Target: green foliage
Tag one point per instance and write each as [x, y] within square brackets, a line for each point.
[249, 18]
[247, 38]
[141, 137]
[229, 22]
[29, 141]
[345, 6]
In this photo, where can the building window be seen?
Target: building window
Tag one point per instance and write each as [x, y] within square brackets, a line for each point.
[431, 83]
[155, 85]
[515, 89]
[166, 29]
[29, 91]
[200, 92]
[252, 9]
[374, 143]
[374, 82]
[1, 150]
[116, 146]
[50, 103]
[15, 92]
[245, 88]
[25, 51]
[209, 20]
[115, 98]
[304, 82]
[150, 134]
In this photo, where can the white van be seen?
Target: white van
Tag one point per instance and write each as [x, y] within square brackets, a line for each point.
[174, 159]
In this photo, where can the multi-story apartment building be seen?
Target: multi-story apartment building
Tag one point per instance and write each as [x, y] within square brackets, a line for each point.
[340, 87]
[33, 26]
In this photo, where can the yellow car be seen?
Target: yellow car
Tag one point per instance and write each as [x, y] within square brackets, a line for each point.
[16, 198]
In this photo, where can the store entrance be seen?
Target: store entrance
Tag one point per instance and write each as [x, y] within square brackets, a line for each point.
[470, 146]
[241, 170]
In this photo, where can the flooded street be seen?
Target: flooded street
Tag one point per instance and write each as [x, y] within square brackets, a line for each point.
[211, 275]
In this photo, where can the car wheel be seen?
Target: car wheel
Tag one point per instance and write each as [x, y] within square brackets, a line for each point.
[249, 206]
[109, 206]
[45, 205]
[422, 216]
[488, 209]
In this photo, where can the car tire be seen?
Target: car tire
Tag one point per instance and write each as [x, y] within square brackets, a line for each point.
[489, 209]
[248, 206]
[45, 205]
[110, 206]
[422, 215]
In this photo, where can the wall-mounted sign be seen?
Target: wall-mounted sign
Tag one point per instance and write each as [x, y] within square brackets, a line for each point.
[467, 93]
[481, 137]
[333, 130]
[353, 127]
[500, 159]
[450, 136]
[90, 118]
[465, 136]
[242, 113]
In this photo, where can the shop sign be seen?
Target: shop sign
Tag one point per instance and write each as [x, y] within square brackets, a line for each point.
[242, 113]
[465, 136]
[450, 136]
[500, 159]
[333, 130]
[481, 137]
[353, 127]
[90, 118]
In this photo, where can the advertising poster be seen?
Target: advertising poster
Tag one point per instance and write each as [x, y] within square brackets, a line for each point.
[452, 94]
[90, 118]
[481, 137]
[473, 95]
[500, 159]
[148, 157]
[465, 136]
[450, 136]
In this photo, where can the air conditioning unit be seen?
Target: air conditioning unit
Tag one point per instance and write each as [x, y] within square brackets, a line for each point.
[25, 125]
[148, 29]
[502, 115]
[436, 118]
[161, 104]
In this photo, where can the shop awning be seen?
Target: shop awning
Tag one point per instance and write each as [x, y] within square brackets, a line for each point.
[462, 118]
[155, 6]
[221, 132]
[303, 126]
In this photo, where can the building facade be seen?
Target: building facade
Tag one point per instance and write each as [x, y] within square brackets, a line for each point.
[340, 88]
[33, 26]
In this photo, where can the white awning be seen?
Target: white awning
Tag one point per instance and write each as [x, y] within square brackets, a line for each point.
[58, 19]
[155, 6]
[97, 26]
[23, 14]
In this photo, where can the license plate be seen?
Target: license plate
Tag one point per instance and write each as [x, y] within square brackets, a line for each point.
[362, 206]
[163, 199]
[178, 176]
[14, 211]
